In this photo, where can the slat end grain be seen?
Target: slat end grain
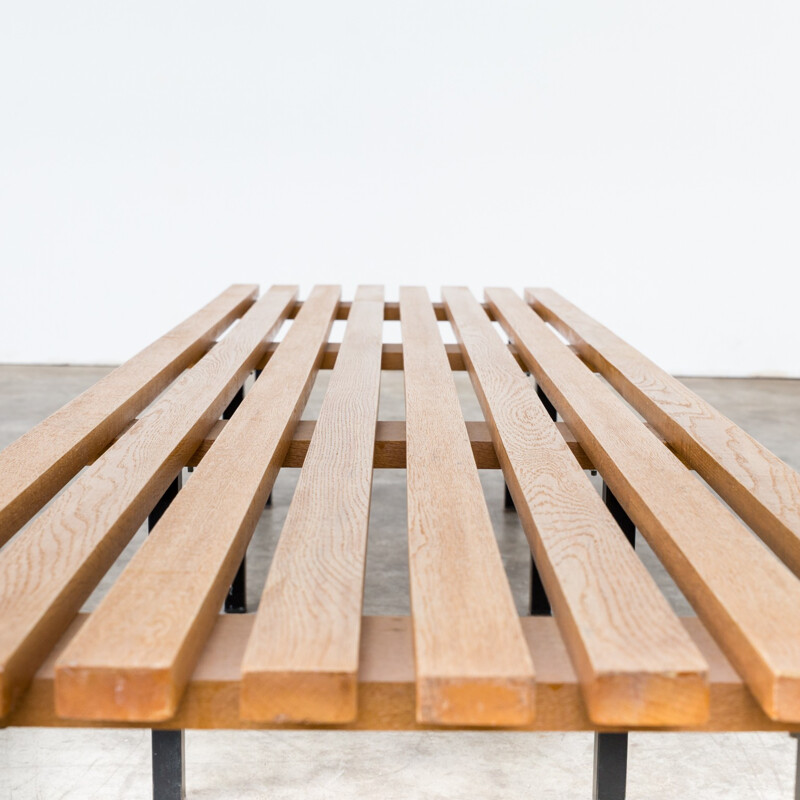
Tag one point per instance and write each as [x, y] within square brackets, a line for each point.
[648, 700]
[250, 290]
[476, 702]
[327, 698]
[784, 703]
[10, 691]
[115, 695]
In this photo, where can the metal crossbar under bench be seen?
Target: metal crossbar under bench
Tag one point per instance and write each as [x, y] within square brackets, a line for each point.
[602, 649]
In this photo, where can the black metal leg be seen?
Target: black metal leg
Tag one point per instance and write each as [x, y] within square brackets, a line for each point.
[162, 505]
[236, 601]
[548, 406]
[257, 373]
[234, 404]
[169, 765]
[539, 604]
[618, 512]
[610, 766]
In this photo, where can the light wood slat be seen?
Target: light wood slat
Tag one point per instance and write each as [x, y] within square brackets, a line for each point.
[636, 663]
[39, 463]
[760, 487]
[50, 568]
[472, 664]
[386, 684]
[746, 597]
[301, 663]
[132, 660]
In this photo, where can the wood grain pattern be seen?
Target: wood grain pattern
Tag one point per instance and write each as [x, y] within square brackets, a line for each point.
[48, 570]
[386, 684]
[636, 663]
[301, 663]
[761, 488]
[132, 661]
[39, 463]
[746, 597]
[472, 664]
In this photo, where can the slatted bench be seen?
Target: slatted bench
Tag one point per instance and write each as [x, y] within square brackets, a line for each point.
[601, 651]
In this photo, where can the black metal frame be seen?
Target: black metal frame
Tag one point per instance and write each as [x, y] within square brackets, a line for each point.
[169, 764]
[609, 776]
[236, 600]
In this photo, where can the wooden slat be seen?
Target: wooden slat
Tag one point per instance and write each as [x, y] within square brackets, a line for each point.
[38, 464]
[301, 664]
[636, 663]
[48, 570]
[472, 664]
[746, 597]
[386, 684]
[761, 488]
[132, 661]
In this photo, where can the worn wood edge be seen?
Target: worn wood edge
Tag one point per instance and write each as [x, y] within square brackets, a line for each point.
[88, 445]
[155, 691]
[386, 690]
[476, 702]
[299, 697]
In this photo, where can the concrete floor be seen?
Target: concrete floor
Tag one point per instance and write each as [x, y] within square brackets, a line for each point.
[64, 763]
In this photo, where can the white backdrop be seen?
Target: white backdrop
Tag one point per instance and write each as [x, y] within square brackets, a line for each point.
[642, 158]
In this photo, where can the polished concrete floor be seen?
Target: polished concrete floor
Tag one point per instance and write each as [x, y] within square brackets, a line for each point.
[67, 763]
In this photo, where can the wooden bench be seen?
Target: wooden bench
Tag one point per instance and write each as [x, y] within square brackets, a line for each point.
[613, 657]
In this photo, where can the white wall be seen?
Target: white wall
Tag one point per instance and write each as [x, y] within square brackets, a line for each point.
[642, 158]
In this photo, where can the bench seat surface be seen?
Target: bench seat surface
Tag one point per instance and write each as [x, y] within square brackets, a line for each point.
[613, 656]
